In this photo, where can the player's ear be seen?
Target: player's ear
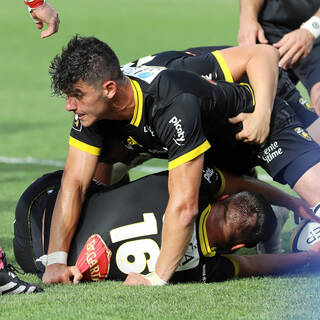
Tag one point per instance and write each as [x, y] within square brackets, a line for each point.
[224, 197]
[109, 88]
[238, 246]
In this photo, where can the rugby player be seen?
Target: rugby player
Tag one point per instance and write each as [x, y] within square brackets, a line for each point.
[129, 219]
[176, 115]
[209, 63]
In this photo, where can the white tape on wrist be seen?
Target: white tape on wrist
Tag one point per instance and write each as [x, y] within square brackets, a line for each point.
[57, 257]
[32, 9]
[154, 279]
[312, 25]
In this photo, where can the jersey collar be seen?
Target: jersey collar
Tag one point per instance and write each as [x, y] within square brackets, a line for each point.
[138, 100]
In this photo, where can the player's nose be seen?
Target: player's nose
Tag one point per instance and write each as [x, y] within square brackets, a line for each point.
[71, 104]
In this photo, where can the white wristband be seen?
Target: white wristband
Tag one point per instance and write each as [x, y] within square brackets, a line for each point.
[57, 257]
[154, 279]
[312, 25]
[32, 9]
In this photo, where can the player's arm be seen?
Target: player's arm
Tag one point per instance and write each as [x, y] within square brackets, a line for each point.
[250, 29]
[66, 212]
[42, 12]
[258, 62]
[297, 44]
[178, 224]
[275, 264]
[273, 195]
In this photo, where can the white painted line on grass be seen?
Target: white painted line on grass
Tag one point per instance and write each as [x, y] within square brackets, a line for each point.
[57, 163]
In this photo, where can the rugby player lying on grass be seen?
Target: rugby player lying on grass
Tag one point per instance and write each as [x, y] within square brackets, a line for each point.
[129, 219]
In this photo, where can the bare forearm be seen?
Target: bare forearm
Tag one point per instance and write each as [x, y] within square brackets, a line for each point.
[264, 66]
[176, 235]
[273, 264]
[65, 219]
[250, 9]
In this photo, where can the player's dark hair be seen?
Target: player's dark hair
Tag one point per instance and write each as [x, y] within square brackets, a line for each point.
[253, 216]
[84, 58]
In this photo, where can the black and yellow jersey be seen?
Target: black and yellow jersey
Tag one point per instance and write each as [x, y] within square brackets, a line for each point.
[129, 219]
[178, 115]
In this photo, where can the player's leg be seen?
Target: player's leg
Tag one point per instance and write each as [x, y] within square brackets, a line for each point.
[315, 96]
[308, 186]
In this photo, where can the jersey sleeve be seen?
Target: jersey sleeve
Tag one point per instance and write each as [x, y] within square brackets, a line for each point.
[179, 128]
[212, 183]
[211, 65]
[87, 139]
[216, 269]
[219, 268]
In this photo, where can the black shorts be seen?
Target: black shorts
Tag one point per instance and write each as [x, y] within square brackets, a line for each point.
[287, 91]
[308, 70]
[288, 145]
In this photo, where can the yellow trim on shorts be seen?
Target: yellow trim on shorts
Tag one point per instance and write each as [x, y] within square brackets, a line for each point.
[251, 90]
[189, 155]
[138, 99]
[84, 147]
[223, 183]
[206, 250]
[224, 66]
[235, 264]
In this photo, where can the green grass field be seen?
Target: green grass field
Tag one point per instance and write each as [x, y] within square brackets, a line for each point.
[34, 125]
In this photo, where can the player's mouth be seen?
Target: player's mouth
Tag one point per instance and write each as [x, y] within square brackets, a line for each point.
[79, 116]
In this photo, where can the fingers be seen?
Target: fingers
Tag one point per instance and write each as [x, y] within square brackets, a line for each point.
[261, 36]
[77, 275]
[39, 25]
[53, 27]
[135, 279]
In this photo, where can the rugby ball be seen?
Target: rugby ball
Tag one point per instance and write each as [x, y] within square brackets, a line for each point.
[304, 236]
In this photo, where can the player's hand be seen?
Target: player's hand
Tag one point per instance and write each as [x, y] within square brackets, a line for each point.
[293, 47]
[46, 14]
[61, 273]
[255, 128]
[136, 279]
[250, 32]
[302, 211]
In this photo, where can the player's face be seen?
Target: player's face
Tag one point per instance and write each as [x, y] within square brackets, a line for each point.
[226, 230]
[222, 230]
[87, 102]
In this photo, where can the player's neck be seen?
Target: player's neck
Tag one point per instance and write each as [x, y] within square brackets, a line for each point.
[124, 103]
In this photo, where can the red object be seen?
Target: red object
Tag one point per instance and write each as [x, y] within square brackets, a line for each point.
[34, 4]
[94, 259]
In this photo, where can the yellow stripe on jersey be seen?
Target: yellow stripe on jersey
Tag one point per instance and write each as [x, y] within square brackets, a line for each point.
[224, 67]
[84, 147]
[223, 183]
[248, 85]
[235, 264]
[138, 99]
[189, 155]
[206, 250]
